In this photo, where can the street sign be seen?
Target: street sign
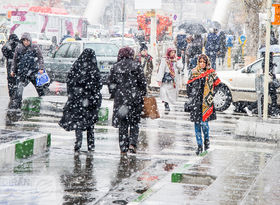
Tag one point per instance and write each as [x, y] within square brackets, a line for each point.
[275, 17]
[242, 39]
[229, 41]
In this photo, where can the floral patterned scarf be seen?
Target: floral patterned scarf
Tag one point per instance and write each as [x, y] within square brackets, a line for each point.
[170, 62]
[211, 81]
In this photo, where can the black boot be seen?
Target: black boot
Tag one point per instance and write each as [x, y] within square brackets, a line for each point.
[206, 144]
[166, 106]
[199, 150]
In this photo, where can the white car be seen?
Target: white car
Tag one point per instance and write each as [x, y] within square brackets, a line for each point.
[238, 87]
[42, 40]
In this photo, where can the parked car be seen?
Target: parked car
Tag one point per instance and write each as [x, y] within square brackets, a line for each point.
[61, 61]
[238, 87]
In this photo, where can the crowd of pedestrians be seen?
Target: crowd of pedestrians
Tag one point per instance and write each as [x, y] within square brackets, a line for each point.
[129, 81]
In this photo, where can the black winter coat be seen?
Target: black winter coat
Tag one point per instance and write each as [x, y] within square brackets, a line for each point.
[84, 97]
[195, 93]
[8, 51]
[128, 86]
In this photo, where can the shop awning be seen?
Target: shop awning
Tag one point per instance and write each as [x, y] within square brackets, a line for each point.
[48, 10]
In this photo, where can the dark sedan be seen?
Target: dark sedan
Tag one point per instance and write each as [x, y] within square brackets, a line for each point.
[60, 63]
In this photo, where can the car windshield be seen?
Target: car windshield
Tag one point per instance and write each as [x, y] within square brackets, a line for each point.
[127, 42]
[103, 49]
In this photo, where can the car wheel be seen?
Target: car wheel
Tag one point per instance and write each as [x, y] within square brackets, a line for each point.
[222, 99]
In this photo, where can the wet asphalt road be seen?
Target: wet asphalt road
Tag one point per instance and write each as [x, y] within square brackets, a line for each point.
[104, 176]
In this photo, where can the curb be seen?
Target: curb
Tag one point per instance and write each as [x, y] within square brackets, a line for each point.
[24, 148]
[268, 129]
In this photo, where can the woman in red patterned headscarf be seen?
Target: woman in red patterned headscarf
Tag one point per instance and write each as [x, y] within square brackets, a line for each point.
[168, 77]
[200, 90]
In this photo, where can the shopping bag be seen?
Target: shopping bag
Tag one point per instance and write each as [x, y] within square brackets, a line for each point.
[150, 109]
[42, 79]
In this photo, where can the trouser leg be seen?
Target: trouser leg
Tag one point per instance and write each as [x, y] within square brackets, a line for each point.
[273, 95]
[90, 139]
[197, 128]
[134, 133]
[17, 100]
[123, 136]
[11, 86]
[79, 139]
[213, 62]
[205, 129]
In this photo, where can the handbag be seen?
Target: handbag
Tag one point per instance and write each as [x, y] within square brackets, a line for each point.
[42, 79]
[150, 109]
[167, 78]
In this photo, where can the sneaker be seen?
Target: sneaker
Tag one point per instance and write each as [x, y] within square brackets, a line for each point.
[249, 112]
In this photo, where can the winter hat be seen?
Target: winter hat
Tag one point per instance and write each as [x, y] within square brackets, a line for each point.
[13, 37]
[143, 47]
[26, 36]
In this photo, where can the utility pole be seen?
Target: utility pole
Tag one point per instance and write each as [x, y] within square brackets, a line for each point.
[123, 15]
[266, 67]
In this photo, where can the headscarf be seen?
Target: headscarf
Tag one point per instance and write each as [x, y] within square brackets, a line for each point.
[170, 60]
[125, 52]
[84, 67]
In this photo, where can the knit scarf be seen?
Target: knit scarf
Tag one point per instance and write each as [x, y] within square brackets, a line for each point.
[211, 81]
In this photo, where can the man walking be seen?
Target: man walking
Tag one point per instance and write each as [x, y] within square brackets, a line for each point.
[212, 47]
[8, 51]
[27, 62]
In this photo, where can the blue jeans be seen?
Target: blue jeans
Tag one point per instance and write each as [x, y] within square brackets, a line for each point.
[205, 129]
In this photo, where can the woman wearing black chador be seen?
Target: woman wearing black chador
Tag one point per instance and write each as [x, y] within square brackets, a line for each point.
[80, 112]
